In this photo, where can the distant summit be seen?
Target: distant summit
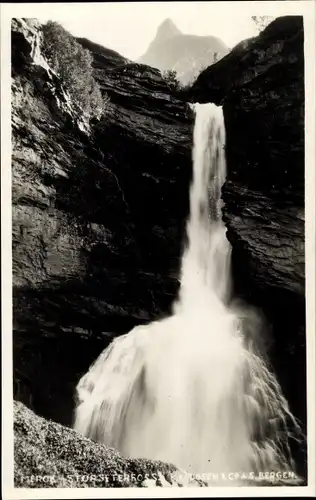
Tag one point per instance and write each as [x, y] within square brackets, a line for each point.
[166, 30]
[186, 54]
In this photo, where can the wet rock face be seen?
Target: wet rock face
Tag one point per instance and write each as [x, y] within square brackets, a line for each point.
[261, 87]
[98, 215]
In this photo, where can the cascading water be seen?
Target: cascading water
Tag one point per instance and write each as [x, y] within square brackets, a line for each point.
[191, 389]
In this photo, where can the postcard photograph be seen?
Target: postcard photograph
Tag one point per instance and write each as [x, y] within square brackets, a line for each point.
[158, 233]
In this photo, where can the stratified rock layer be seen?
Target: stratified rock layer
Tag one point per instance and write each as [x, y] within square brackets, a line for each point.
[98, 215]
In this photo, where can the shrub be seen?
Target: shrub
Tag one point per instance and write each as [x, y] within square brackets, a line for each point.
[262, 22]
[180, 89]
[73, 64]
[171, 78]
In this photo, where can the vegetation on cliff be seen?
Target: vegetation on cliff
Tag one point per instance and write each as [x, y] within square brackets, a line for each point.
[73, 64]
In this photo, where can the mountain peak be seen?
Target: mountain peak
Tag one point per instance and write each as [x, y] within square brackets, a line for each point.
[184, 53]
[167, 29]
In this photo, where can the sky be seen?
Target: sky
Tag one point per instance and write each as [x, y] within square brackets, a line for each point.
[129, 27]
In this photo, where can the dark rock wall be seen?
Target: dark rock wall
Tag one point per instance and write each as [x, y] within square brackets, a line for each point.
[97, 218]
[261, 87]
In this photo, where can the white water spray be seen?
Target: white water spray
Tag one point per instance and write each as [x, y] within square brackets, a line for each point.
[190, 389]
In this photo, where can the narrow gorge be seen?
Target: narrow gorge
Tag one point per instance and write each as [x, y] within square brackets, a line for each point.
[100, 214]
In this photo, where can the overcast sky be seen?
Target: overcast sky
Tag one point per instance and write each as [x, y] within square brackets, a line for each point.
[129, 27]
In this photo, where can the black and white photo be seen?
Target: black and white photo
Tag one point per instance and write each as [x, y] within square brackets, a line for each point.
[158, 258]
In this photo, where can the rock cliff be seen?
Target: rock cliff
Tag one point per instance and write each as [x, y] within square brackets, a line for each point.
[261, 87]
[98, 215]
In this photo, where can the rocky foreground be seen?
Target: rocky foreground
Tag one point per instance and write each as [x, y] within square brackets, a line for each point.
[48, 455]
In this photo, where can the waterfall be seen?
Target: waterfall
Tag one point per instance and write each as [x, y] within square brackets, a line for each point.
[191, 389]
[205, 263]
